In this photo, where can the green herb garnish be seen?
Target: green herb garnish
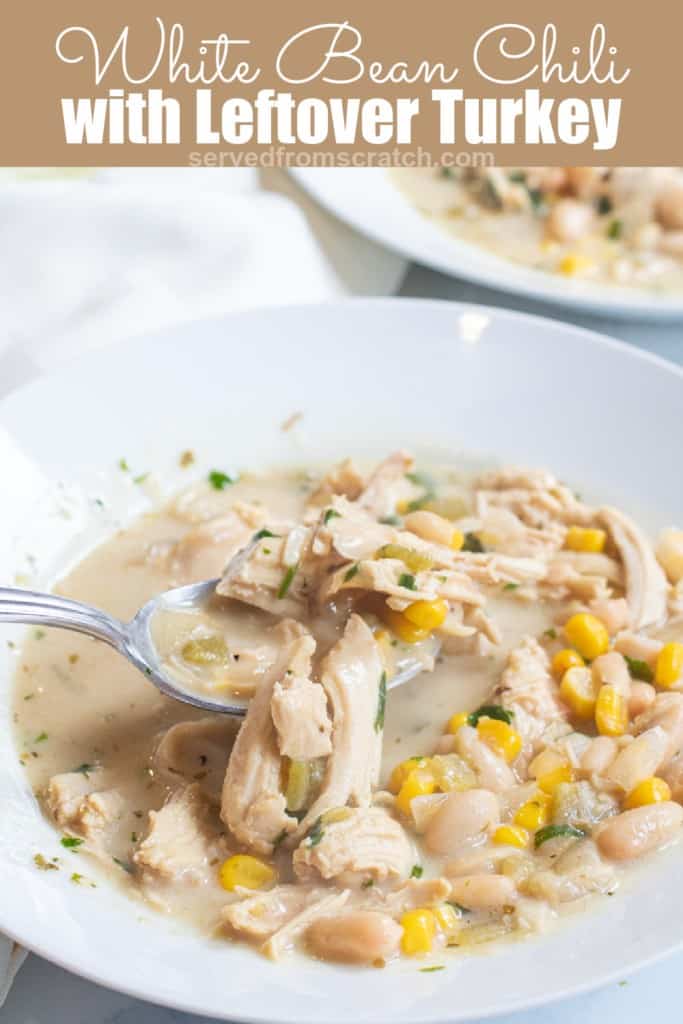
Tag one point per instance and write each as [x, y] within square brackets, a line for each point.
[140, 478]
[416, 871]
[430, 970]
[555, 831]
[381, 703]
[604, 205]
[280, 838]
[331, 514]
[71, 842]
[551, 633]
[43, 864]
[472, 544]
[496, 711]
[407, 580]
[287, 581]
[85, 769]
[122, 864]
[350, 573]
[123, 466]
[511, 586]
[219, 481]
[38, 634]
[316, 833]
[390, 520]
[615, 229]
[428, 493]
[40, 738]
[639, 669]
[367, 883]
[263, 533]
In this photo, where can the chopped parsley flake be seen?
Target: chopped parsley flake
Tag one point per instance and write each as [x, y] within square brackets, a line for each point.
[287, 581]
[71, 842]
[140, 478]
[407, 580]
[615, 229]
[85, 769]
[219, 481]
[123, 466]
[331, 513]
[43, 864]
[472, 544]
[263, 533]
[367, 883]
[639, 669]
[381, 703]
[417, 871]
[350, 573]
[391, 520]
[511, 586]
[38, 634]
[429, 490]
[430, 970]
[40, 738]
[604, 205]
[316, 834]
[122, 864]
[496, 711]
[551, 633]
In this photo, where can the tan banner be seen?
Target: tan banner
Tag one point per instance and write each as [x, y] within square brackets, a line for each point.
[341, 81]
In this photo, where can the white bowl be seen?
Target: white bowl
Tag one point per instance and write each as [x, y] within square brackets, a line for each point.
[366, 198]
[367, 375]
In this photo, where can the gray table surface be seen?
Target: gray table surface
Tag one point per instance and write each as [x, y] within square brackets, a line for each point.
[44, 994]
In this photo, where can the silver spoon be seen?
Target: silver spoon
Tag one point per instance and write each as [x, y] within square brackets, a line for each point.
[134, 639]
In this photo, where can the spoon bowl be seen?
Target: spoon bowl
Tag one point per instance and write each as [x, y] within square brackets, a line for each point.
[134, 639]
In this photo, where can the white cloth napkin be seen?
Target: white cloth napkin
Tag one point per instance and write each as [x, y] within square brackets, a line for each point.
[92, 258]
[87, 262]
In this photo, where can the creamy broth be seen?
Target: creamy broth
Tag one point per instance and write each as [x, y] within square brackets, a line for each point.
[624, 228]
[85, 716]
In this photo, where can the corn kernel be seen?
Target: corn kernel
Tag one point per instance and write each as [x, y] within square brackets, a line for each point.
[552, 779]
[535, 813]
[403, 770]
[427, 614]
[566, 659]
[447, 918]
[511, 835]
[243, 871]
[403, 628]
[580, 538]
[419, 928]
[574, 263]
[419, 782]
[650, 791]
[588, 635]
[456, 722]
[579, 690]
[611, 712]
[669, 665]
[457, 540]
[500, 737]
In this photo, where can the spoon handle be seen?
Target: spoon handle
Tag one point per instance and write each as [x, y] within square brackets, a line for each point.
[51, 610]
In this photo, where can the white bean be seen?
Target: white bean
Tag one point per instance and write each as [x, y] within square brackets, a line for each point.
[598, 756]
[640, 759]
[461, 820]
[640, 831]
[611, 669]
[484, 892]
[642, 697]
[430, 526]
[492, 771]
[667, 711]
[569, 220]
[360, 937]
[670, 553]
